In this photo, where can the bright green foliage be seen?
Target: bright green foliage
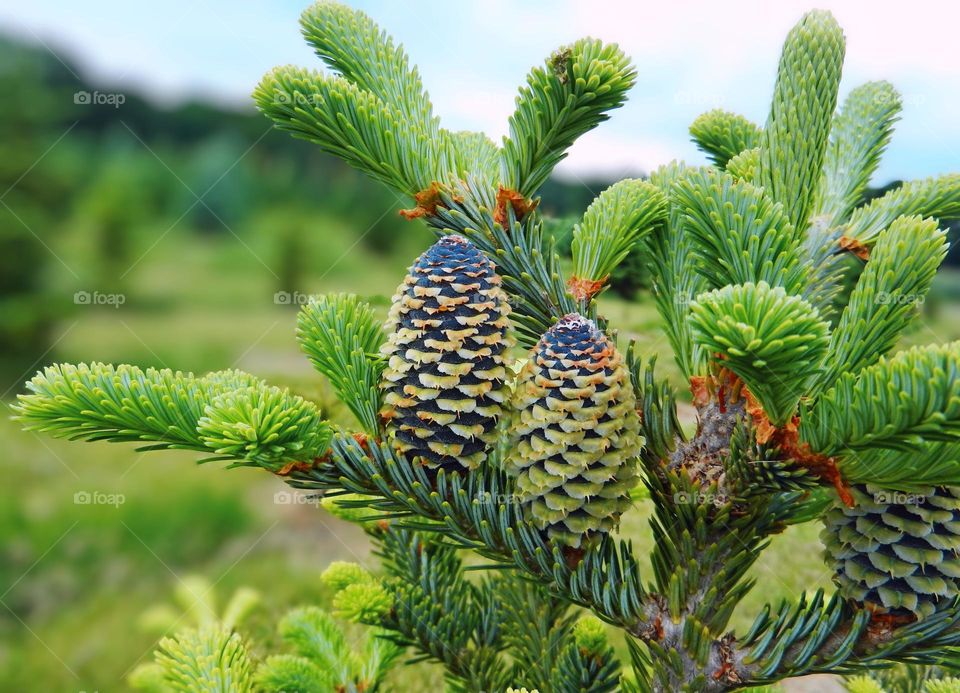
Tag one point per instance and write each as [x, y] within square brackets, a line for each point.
[737, 235]
[587, 663]
[934, 464]
[590, 635]
[324, 660]
[903, 678]
[124, 403]
[352, 44]
[354, 124]
[773, 341]
[616, 221]
[722, 135]
[895, 281]
[863, 684]
[671, 264]
[292, 673]
[562, 99]
[476, 154]
[931, 197]
[897, 403]
[804, 100]
[194, 612]
[210, 658]
[264, 426]
[341, 336]
[363, 602]
[745, 165]
[341, 574]
[858, 138]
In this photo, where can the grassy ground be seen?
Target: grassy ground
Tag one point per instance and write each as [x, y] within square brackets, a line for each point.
[76, 575]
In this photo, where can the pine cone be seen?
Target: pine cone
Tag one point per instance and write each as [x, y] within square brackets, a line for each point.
[444, 384]
[894, 551]
[575, 433]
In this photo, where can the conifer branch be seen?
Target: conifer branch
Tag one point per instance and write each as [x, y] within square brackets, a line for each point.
[675, 283]
[124, 403]
[536, 625]
[722, 135]
[210, 658]
[587, 662]
[804, 100]
[895, 281]
[931, 197]
[355, 125]
[933, 464]
[858, 138]
[897, 403]
[617, 220]
[263, 427]
[773, 341]
[477, 156]
[737, 235]
[342, 338]
[746, 264]
[745, 165]
[436, 611]
[566, 97]
[352, 44]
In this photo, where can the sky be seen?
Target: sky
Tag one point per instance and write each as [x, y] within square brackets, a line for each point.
[690, 57]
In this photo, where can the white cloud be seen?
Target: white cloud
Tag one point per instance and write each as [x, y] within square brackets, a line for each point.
[604, 155]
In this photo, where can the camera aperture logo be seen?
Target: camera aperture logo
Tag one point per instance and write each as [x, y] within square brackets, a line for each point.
[294, 498]
[99, 498]
[98, 298]
[292, 298]
[99, 98]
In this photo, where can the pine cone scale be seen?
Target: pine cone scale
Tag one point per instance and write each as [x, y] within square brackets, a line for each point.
[899, 556]
[445, 380]
[575, 432]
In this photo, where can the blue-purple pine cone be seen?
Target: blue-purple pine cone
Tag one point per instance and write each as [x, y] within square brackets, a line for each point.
[896, 552]
[575, 433]
[445, 380]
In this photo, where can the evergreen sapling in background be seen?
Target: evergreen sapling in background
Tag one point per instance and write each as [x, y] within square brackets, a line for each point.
[528, 456]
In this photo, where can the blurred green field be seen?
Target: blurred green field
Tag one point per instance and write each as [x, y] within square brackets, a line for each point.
[76, 576]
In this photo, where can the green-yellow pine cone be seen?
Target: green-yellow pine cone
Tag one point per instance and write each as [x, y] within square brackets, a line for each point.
[445, 380]
[575, 435]
[896, 552]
